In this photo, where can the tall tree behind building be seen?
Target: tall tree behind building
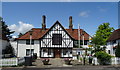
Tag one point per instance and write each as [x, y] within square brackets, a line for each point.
[5, 30]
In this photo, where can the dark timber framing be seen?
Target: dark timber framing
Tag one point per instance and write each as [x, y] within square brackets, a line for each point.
[65, 40]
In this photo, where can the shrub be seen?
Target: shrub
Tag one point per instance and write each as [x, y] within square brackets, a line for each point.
[103, 57]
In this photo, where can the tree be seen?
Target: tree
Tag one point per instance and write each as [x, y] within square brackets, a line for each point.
[9, 50]
[100, 37]
[5, 30]
[117, 52]
[7, 33]
[102, 34]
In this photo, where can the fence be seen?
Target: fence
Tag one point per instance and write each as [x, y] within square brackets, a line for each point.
[114, 61]
[11, 61]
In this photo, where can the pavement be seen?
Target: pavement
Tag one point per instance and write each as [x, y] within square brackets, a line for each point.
[56, 62]
[59, 64]
[80, 67]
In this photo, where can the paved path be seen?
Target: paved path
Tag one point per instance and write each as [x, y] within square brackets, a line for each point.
[57, 62]
[67, 68]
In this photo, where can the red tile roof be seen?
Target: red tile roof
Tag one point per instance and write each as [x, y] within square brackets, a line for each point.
[115, 35]
[74, 34]
[38, 33]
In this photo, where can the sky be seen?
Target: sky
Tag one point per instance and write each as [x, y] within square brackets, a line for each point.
[22, 16]
[60, 0]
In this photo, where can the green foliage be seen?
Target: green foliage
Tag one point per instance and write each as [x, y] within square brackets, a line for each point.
[97, 48]
[9, 50]
[5, 30]
[117, 52]
[103, 57]
[102, 34]
[97, 40]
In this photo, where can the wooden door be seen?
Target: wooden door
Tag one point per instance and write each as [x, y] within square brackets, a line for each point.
[57, 53]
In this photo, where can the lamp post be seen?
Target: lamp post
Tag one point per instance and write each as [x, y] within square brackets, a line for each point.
[79, 41]
[83, 32]
[30, 41]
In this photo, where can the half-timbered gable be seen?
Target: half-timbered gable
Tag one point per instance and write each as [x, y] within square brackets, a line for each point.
[56, 38]
[56, 32]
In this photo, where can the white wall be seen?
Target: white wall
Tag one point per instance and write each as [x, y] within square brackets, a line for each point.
[110, 46]
[14, 45]
[22, 47]
[85, 46]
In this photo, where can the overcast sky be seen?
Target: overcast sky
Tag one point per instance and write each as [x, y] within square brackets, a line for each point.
[22, 16]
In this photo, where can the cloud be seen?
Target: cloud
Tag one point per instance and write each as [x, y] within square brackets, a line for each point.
[21, 27]
[84, 14]
[102, 9]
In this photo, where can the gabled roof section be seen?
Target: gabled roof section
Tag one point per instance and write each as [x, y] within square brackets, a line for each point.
[74, 34]
[57, 22]
[38, 33]
[115, 35]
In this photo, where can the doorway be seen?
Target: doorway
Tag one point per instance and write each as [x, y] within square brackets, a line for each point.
[57, 53]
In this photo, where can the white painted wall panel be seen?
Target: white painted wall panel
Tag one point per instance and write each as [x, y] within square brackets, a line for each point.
[22, 47]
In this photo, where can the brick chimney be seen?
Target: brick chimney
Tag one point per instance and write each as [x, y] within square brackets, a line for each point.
[70, 23]
[43, 22]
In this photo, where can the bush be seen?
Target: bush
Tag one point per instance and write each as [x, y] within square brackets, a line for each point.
[103, 57]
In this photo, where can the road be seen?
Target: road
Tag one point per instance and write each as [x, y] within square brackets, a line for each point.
[65, 68]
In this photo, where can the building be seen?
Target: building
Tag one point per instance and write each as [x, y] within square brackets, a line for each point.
[113, 41]
[53, 42]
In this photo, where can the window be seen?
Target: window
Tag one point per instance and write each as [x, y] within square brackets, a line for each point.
[28, 51]
[108, 51]
[114, 41]
[28, 42]
[78, 53]
[49, 52]
[45, 50]
[86, 42]
[70, 51]
[57, 39]
[64, 52]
